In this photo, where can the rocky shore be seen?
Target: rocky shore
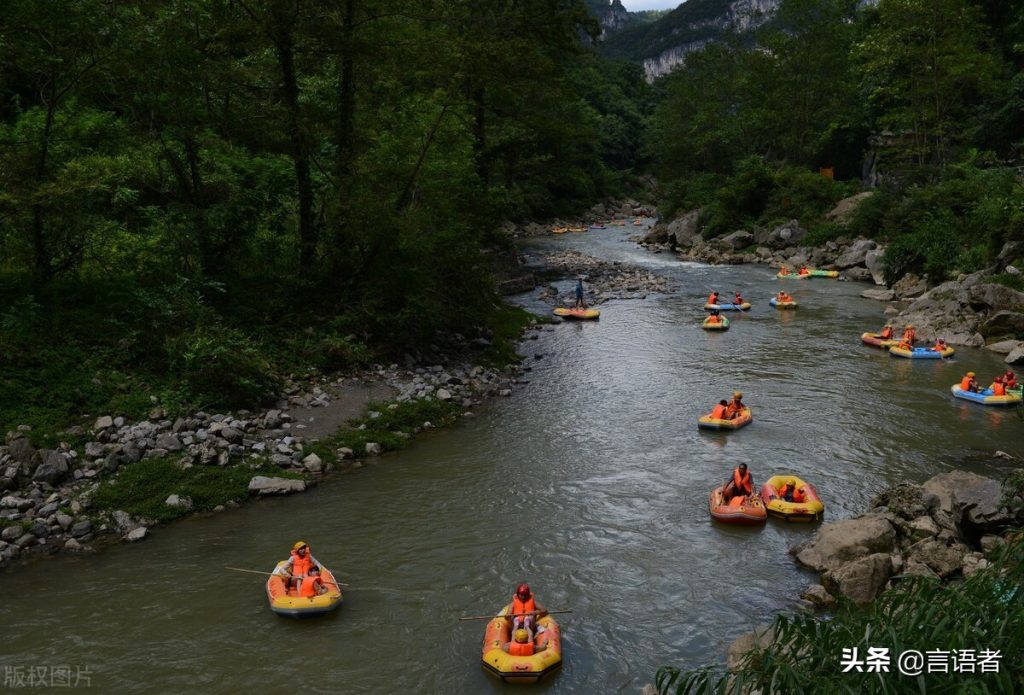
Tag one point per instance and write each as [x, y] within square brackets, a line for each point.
[45, 494]
[605, 213]
[945, 529]
[970, 310]
[603, 280]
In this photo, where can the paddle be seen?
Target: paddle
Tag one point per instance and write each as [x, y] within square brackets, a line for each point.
[513, 615]
[270, 574]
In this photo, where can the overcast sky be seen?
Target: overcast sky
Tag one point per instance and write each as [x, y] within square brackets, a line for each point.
[635, 5]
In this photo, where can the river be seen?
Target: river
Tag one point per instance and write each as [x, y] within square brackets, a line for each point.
[590, 482]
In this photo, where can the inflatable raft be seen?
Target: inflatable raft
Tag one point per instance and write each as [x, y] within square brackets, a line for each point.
[521, 669]
[824, 273]
[987, 397]
[740, 510]
[290, 604]
[722, 325]
[811, 509]
[581, 314]
[876, 340]
[783, 305]
[745, 306]
[791, 276]
[710, 423]
[921, 353]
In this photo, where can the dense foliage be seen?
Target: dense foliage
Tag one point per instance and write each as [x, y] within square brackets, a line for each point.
[922, 99]
[196, 195]
[983, 612]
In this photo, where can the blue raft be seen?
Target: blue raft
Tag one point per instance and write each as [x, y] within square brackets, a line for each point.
[745, 306]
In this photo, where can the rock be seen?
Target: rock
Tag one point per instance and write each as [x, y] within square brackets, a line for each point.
[345, 452]
[505, 392]
[923, 527]
[904, 500]
[136, 534]
[839, 542]
[264, 485]
[760, 639]
[169, 442]
[880, 295]
[914, 568]
[858, 274]
[1016, 355]
[873, 262]
[72, 544]
[81, 528]
[819, 596]
[272, 419]
[855, 254]
[910, 286]
[18, 503]
[737, 240]
[684, 231]
[313, 463]
[11, 533]
[990, 544]
[179, 502]
[860, 580]
[103, 423]
[232, 435]
[945, 312]
[1004, 323]
[1004, 347]
[942, 559]
[22, 451]
[443, 395]
[990, 296]
[975, 499]
[374, 449]
[1011, 270]
[26, 541]
[53, 469]
[844, 210]
[64, 520]
[94, 450]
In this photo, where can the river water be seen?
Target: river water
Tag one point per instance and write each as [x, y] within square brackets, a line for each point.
[590, 482]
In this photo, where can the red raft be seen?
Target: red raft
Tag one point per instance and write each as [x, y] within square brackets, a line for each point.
[739, 510]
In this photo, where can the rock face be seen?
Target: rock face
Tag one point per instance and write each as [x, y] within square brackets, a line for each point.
[761, 638]
[264, 485]
[850, 539]
[860, 580]
[976, 499]
[1016, 355]
[856, 254]
[945, 312]
[844, 210]
[873, 262]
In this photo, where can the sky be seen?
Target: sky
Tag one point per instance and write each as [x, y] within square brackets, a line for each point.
[637, 5]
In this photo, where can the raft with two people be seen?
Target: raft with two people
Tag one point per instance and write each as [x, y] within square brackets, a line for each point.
[523, 642]
[728, 306]
[727, 415]
[783, 304]
[715, 323]
[790, 498]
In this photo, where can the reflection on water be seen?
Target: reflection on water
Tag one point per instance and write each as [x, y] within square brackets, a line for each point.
[591, 483]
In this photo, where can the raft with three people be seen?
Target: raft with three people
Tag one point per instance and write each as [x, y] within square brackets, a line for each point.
[287, 601]
[546, 656]
[987, 396]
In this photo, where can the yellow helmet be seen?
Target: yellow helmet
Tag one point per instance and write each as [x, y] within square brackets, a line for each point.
[792, 481]
[737, 394]
[970, 373]
[299, 544]
[521, 636]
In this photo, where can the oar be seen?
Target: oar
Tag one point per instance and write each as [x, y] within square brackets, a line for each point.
[271, 574]
[513, 615]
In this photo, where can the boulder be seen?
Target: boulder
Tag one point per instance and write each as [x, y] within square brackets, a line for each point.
[944, 560]
[945, 312]
[232, 434]
[1016, 355]
[168, 442]
[443, 395]
[737, 240]
[990, 296]
[990, 544]
[859, 274]
[265, 485]
[94, 450]
[81, 528]
[855, 254]
[760, 639]
[910, 286]
[104, 422]
[860, 580]
[136, 534]
[975, 499]
[1003, 323]
[374, 449]
[849, 539]
[53, 469]
[658, 234]
[1004, 347]
[179, 502]
[923, 527]
[684, 230]
[905, 500]
[873, 262]
[819, 596]
[913, 568]
[11, 533]
[879, 295]
[313, 463]
[844, 210]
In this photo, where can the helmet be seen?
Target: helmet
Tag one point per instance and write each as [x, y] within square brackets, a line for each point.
[521, 636]
[791, 482]
[737, 394]
[523, 590]
[970, 373]
[299, 544]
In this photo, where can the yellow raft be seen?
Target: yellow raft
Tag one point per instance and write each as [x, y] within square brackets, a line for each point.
[811, 509]
[582, 314]
[722, 325]
[921, 353]
[521, 669]
[710, 423]
[287, 603]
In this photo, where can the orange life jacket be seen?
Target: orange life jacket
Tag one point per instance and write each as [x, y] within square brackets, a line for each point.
[520, 648]
[519, 606]
[714, 319]
[965, 383]
[783, 271]
[910, 335]
[998, 389]
[798, 495]
[308, 587]
[804, 271]
[744, 484]
[734, 407]
[719, 412]
[713, 298]
[301, 564]
[886, 333]
[939, 347]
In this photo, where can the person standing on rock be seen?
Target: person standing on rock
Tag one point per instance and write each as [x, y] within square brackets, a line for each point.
[580, 301]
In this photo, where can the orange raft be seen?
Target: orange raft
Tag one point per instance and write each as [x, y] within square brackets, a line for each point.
[289, 603]
[749, 510]
[521, 669]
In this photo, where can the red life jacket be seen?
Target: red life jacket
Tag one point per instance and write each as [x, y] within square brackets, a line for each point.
[735, 407]
[744, 484]
[520, 648]
[998, 389]
[519, 606]
[719, 412]
[301, 564]
[965, 383]
[308, 587]
[1010, 381]
[713, 298]
[886, 333]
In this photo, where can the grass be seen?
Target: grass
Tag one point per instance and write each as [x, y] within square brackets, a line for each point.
[141, 488]
[1014, 282]
[985, 611]
[396, 417]
[507, 324]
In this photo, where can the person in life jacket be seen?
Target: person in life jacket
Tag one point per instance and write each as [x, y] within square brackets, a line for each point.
[909, 334]
[714, 317]
[791, 493]
[735, 407]
[1010, 379]
[738, 299]
[525, 609]
[741, 483]
[804, 270]
[713, 298]
[522, 645]
[783, 296]
[720, 411]
[783, 270]
[968, 383]
[312, 585]
[886, 332]
[297, 565]
[998, 387]
[940, 345]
